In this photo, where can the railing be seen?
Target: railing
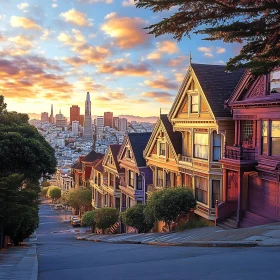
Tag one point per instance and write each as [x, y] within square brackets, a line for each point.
[225, 210]
[239, 153]
[185, 158]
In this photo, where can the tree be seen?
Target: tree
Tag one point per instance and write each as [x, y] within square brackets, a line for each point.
[254, 24]
[44, 191]
[106, 217]
[45, 183]
[88, 220]
[135, 217]
[54, 193]
[78, 198]
[165, 205]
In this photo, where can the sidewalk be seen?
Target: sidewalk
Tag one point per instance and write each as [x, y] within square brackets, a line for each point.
[19, 263]
[265, 235]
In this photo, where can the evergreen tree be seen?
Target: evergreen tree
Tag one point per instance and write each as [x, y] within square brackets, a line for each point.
[254, 24]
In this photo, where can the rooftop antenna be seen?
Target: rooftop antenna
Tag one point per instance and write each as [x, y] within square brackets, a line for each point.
[159, 111]
[190, 57]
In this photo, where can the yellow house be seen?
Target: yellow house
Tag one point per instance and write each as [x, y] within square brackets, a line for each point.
[161, 154]
[198, 113]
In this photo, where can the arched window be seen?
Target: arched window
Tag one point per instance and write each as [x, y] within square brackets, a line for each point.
[216, 146]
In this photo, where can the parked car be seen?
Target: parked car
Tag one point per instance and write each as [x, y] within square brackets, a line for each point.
[75, 222]
[59, 207]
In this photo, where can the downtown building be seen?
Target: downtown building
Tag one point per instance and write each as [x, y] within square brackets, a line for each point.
[74, 113]
[87, 134]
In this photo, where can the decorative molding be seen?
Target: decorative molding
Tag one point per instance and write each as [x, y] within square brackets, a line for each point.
[231, 167]
[245, 117]
[204, 130]
[200, 174]
[197, 163]
[186, 171]
[259, 88]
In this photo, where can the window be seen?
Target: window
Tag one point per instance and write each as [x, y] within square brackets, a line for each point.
[201, 189]
[131, 178]
[111, 178]
[162, 149]
[215, 192]
[123, 200]
[275, 82]
[275, 138]
[128, 153]
[160, 177]
[201, 145]
[168, 179]
[216, 146]
[248, 132]
[194, 103]
[264, 137]
[139, 182]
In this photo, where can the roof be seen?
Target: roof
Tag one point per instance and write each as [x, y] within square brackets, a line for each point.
[77, 165]
[175, 137]
[92, 156]
[99, 166]
[138, 143]
[217, 85]
[115, 150]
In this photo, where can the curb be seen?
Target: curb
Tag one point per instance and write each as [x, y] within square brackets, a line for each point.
[34, 275]
[184, 244]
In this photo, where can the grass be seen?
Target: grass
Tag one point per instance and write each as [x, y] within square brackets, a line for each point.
[191, 224]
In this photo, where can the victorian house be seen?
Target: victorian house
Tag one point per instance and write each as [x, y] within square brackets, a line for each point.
[162, 154]
[137, 175]
[76, 173]
[199, 115]
[96, 183]
[251, 162]
[111, 177]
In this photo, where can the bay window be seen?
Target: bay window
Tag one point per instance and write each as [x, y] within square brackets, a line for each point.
[201, 189]
[264, 137]
[275, 138]
[159, 177]
[201, 145]
[215, 192]
[216, 146]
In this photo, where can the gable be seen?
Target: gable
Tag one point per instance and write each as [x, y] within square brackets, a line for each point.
[109, 160]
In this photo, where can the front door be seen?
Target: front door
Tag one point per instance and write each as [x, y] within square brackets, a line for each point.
[232, 185]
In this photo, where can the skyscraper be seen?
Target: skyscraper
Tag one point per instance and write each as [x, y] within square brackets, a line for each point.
[87, 135]
[108, 119]
[51, 116]
[123, 124]
[74, 113]
[44, 117]
[116, 122]
[99, 127]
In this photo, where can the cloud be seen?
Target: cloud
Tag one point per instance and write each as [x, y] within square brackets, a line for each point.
[128, 32]
[128, 3]
[167, 46]
[76, 18]
[208, 55]
[179, 77]
[124, 69]
[102, 98]
[220, 50]
[24, 23]
[117, 95]
[161, 83]
[96, 1]
[162, 97]
[22, 41]
[177, 61]
[22, 6]
[204, 49]
[54, 5]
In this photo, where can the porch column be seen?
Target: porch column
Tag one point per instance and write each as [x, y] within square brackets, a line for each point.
[224, 185]
[236, 132]
[239, 132]
[240, 196]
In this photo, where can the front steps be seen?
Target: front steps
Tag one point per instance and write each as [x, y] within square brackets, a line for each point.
[229, 223]
[251, 219]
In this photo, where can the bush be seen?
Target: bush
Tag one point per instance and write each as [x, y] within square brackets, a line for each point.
[54, 192]
[191, 224]
[44, 191]
[106, 217]
[135, 217]
[88, 220]
[167, 204]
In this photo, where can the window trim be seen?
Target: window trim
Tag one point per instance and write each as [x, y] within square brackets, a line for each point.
[194, 104]
[213, 146]
[194, 154]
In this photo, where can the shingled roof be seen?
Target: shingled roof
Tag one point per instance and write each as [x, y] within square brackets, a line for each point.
[217, 85]
[77, 165]
[92, 156]
[115, 150]
[175, 137]
[138, 143]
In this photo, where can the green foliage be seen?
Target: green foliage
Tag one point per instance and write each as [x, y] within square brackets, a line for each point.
[135, 217]
[88, 220]
[191, 224]
[254, 24]
[44, 191]
[165, 205]
[45, 183]
[54, 192]
[78, 198]
[106, 217]
[22, 222]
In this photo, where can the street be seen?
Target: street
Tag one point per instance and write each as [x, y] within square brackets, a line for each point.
[63, 257]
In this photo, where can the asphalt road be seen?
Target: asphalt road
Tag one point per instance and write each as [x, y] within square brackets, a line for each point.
[64, 258]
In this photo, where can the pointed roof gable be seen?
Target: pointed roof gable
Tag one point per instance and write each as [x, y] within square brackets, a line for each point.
[92, 156]
[98, 165]
[216, 83]
[114, 150]
[138, 142]
[175, 138]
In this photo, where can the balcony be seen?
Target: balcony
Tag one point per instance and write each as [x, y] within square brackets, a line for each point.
[239, 153]
[185, 159]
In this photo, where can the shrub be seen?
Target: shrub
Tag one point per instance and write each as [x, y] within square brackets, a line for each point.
[44, 191]
[165, 205]
[106, 217]
[54, 192]
[88, 220]
[191, 224]
[135, 217]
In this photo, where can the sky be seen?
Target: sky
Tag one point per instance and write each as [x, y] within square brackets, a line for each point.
[54, 51]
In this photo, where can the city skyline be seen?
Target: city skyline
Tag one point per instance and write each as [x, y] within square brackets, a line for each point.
[54, 52]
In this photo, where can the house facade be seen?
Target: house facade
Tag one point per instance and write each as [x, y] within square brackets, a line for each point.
[96, 183]
[137, 175]
[111, 177]
[251, 162]
[205, 125]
